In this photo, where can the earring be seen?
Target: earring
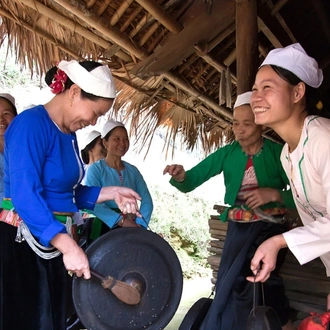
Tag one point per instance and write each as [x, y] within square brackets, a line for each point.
[71, 101]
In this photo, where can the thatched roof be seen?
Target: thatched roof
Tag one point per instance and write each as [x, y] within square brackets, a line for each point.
[175, 61]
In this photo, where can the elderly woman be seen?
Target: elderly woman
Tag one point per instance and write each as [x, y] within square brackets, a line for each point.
[43, 172]
[284, 99]
[112, 170]
[254, 178]
[7, 113]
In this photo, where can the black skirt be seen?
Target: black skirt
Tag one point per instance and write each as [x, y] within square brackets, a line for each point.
[233, 300]
[33, 290]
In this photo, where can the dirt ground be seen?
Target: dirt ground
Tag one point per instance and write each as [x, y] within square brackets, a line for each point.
[193, 290]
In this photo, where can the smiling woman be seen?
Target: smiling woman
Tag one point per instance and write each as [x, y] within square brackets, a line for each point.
[284, 99]
[43, 174]
[7, 113]
[112, 170]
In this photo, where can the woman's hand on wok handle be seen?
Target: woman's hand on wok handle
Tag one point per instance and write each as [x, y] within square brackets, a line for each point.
[74, 258]
[125, 198]
[264, 260]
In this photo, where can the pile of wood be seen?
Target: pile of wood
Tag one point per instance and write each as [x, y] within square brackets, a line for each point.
[306, 286]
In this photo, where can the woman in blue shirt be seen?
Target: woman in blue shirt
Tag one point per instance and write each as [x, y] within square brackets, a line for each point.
[43, 172]
[112, 170]
[7, 114]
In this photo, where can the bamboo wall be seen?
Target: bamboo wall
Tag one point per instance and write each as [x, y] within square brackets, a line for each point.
[306, 286]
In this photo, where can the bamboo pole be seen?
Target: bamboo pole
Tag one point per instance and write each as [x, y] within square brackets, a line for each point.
[103, 7]
[161, 15]
[130, 19]
[216, 64]
[208, 101]
[149, 33]
[122, 40]
[221, 36]
[53, 15]
[40, 33]
[277, 7]
[120, 11]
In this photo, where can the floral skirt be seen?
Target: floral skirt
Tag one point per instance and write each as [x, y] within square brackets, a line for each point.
[33, 290]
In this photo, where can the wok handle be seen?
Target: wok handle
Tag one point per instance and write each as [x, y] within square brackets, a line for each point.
[97, 275]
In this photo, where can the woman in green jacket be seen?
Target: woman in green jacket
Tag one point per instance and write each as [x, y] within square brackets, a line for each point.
[254, 178]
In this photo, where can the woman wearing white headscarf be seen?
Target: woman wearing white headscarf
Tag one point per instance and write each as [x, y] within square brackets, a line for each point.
[284, 99]
[113, 170]
[91, 147]
[43, 172]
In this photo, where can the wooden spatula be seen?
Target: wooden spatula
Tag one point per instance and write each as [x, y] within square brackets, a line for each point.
[123, 291]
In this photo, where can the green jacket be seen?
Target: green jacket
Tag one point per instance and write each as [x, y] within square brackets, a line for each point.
[231, 160]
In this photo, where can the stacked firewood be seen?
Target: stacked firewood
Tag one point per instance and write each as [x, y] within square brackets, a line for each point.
[306, 286]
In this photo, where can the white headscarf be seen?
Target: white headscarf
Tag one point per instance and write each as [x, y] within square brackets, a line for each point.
[243, 99]
[98, 82]
[294, 59]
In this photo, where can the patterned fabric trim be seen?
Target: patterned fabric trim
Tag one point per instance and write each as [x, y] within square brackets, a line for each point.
[243, 215]
[10, 217]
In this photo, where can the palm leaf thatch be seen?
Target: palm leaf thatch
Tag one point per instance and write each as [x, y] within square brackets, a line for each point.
[178, 64]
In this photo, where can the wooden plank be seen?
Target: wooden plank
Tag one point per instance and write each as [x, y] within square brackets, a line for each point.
[214, 261]
[315, 286]
[217, 243]
[306, 298]
[214, 250]
[217, 224]
[202, 29]
[306, 308]
[218, 232]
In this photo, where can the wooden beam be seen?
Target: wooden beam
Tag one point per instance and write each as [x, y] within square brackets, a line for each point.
[280, 19]
[269, 34]
[278, 6]
[221, 36]
[53, 15]
[40, 33]
[246, 44]
[161, 15]
[122, 40]
[214, 62]
[120, 11]
[273, 30]
[204, 98]
[201, 30]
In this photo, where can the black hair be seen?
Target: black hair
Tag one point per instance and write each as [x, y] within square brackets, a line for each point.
[13, 108]
[312, 95]
[89, 66]
[85, 152]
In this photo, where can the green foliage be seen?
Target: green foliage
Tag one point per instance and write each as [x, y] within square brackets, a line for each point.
[11, 74]
[182, 219]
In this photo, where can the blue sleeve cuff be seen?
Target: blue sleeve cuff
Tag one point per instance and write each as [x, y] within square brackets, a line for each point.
[86, 197]
[50, 232]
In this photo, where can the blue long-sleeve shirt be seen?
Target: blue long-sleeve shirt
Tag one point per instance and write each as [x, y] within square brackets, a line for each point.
[2, 161]
[100, 174]
[43, 173]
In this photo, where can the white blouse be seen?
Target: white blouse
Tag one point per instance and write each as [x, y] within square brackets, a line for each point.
[308, 170]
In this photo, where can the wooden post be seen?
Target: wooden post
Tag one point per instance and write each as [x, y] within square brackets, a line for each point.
[246, 44]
